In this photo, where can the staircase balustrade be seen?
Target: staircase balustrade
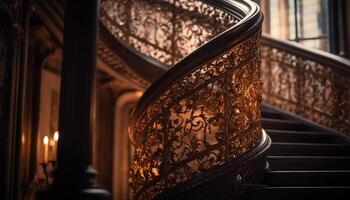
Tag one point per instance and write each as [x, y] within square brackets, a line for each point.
[308, 82]
[200, 122]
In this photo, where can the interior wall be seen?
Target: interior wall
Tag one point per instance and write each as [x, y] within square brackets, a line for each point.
[123, 149]
[41, 95]
[103, 137]
[348, 26]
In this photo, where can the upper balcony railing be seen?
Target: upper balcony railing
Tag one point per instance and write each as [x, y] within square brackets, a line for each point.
[165, 30]
[310, 83]
[200, 121]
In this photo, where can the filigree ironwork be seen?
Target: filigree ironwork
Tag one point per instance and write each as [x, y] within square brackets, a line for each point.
[165, 30]
[205, 119]
[306, 86]
[229, 183]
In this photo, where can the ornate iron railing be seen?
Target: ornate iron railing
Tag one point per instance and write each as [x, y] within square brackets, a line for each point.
[204, 119]
[309, 83]
[201, 119]
[165, 30]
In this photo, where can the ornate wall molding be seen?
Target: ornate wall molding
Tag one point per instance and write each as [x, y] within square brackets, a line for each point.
[107, 55]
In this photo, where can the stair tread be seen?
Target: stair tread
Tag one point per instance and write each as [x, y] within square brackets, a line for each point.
[302, 187]
[289, 136]
[295, 132]
[272, 114]
[297, 192]
[305, 163]
[292, 192]
[306, 171]
[308, 178]
[280, 120]
[304, 137]
[284, 124]
[288, 162]
[308, 149]
[310, 157]
[326, 145]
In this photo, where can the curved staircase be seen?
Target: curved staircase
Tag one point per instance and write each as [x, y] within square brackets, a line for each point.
[305, 162]
[197, 129]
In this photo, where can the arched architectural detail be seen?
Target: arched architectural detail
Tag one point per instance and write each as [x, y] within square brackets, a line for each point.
[121, 143]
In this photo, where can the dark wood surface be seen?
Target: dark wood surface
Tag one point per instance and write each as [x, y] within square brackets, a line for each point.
[11, 131]
[340, 64]
[76, 119]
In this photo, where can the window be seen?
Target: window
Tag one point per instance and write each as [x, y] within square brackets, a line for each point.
[303, 21]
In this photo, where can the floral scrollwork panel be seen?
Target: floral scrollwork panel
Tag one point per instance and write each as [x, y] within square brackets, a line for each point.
[164, 30]
[202, 121]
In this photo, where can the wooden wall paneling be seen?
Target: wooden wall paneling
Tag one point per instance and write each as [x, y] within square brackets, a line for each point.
[103, 137]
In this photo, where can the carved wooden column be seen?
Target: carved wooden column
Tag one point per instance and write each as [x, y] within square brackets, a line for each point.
[73, 179]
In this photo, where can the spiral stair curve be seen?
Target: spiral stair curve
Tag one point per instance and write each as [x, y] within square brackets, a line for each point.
[197, 130]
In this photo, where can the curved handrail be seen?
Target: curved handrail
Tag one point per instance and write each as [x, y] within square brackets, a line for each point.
[153, 66]
[338, 63]
[204, 112]
[221, 43]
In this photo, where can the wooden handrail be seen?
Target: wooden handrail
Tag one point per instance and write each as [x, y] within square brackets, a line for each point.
[336, 62]
[208, 51]
[203, 114]
[315, 83]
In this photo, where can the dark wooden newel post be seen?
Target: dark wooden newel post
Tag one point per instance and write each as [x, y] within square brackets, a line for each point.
[73, 179]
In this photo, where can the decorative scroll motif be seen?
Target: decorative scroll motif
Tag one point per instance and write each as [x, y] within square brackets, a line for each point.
[209, 117]
[166, 30]
[228, 184]
[306, 87]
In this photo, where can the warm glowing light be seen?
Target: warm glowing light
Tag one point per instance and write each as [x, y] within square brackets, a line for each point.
[23, 138]
[56, 136]
[155, 171]
[46, 140]
[139, 93]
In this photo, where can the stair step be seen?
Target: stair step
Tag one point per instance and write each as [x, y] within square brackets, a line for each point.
[293, 193]
[309, 162]
[272, 114]
[284, 124]
[267, 109]
[308, 149]
[298, 136]
[308, 178]
[304, 163]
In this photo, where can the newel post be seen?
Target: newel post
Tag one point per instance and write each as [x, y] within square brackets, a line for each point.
[73, 179]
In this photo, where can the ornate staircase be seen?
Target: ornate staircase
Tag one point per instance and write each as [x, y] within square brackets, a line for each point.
[197, 129]
[206, 69]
